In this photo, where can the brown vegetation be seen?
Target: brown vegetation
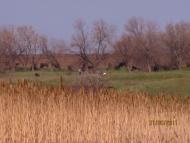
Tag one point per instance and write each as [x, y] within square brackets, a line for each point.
[30, 112]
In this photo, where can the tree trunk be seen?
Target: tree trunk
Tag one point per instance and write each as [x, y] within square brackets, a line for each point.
[33, 64]
[149, 67]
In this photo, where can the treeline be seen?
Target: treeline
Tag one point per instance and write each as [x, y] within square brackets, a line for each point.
[23, 47]
[143, 46]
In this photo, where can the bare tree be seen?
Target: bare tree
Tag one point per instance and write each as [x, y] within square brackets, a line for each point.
[29, 43]
[51, 51]
[122, 49]
[92, 45]
[81, 40]
[177, 39]
[152, 48]
[144, 42]
[8, 47]
[102, 37]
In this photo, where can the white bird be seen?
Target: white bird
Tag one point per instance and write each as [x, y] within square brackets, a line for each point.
[104, 73]
[79, 71]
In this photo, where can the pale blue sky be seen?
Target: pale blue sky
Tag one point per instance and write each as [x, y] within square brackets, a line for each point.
[55, 18]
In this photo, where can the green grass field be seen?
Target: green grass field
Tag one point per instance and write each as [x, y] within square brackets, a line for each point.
[172, 82]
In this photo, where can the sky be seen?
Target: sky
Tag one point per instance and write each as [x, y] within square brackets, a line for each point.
[55, 18]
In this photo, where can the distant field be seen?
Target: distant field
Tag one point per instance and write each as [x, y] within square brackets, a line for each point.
[170, 82]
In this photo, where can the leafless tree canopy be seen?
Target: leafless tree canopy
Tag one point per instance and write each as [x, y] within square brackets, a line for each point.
[177, 39]
[22, 45]
[143, 45]
[92, 44]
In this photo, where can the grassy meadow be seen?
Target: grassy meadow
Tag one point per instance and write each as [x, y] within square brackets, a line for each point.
[168, 82]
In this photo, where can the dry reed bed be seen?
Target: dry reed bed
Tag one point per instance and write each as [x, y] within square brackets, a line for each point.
[30, 112]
